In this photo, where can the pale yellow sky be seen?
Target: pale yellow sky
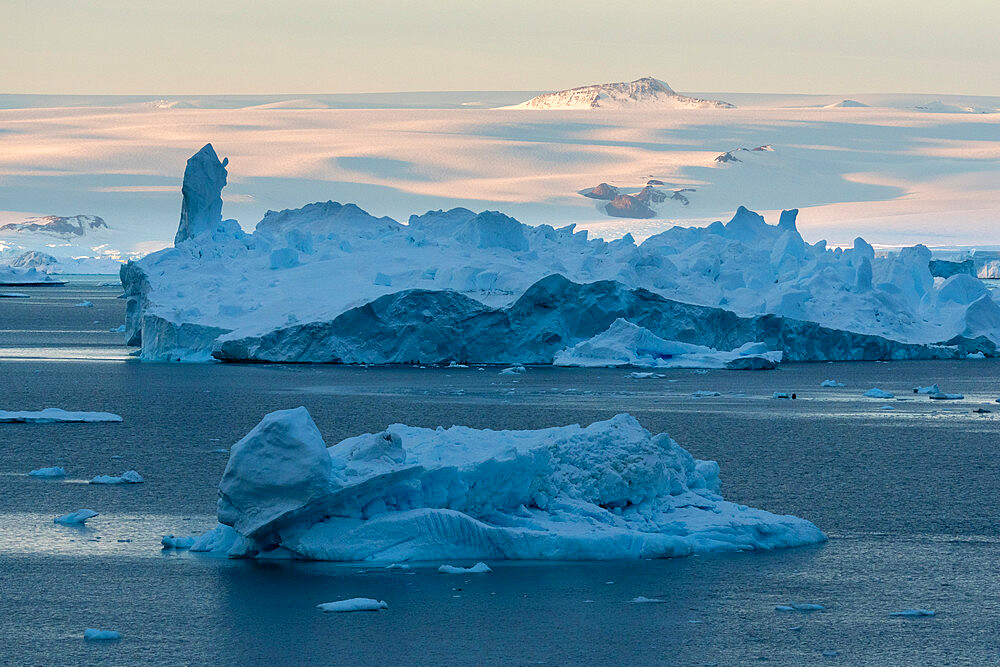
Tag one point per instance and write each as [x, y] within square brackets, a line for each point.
[324, 46]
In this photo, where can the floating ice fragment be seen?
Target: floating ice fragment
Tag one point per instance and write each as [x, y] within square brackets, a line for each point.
[913, 613]
[130, 477]
[54, 471]
[397, 566]
[930, 389]
[705, 394]
[799, 606]
[942, 396]
[975, 355]
[641, 599]
[478, 568]
[77, 518]
[354, 604]
[84, 304]
[92, 634]
[783, 395]
[118, 329]
[51, 415]
[887, 407]
[875, 392]
[513, 370]
[831, 384]
[640, 375]
[171, 542]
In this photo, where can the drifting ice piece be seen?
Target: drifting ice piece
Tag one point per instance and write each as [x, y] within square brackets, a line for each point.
[54, 471]
[130, 477]
[93, 634]
[913, 613]
[354, 604]
[875, 392]
[478, 568]
[610, 490]
[77, 518]
[50, 415]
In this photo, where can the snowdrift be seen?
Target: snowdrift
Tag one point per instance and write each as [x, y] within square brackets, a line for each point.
[331, 283]
[610, 490]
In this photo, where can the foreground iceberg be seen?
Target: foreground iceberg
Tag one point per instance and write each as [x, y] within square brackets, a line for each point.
[330, 283]
[610, 490]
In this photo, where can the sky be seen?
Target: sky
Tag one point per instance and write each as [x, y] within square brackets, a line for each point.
[329, 46]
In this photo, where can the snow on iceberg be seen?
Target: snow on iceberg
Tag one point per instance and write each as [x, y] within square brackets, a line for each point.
[625, 344]
[77, 518]
[129, 477]
[54, 471]
[354, 604]
[486, 288]
[51, 415]
[610, 490]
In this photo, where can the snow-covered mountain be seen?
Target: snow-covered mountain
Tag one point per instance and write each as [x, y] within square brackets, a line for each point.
[644, 93]
[61, 244]
[56, 225]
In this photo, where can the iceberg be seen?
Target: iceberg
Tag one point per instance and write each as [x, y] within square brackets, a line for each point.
[610, 490]
[875, 392]
[625, 344]
[831, 384]
[52, 415]
[171, 542]
[93, 634]
[460, 286]
[130, 477]
[77, 518]
[53, 472]
[478, 568]
[354, 604]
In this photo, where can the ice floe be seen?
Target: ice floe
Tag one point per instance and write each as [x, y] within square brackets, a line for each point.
[875, 392]
[77, 518]
[610, 490]
[50, 415]
[478, 568]
[913, 613]
[799, 606]
[93, 634]
[54, 471]
[354, 604]
[129, 477]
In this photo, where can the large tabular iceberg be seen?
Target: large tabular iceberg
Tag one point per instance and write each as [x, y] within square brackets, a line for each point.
[331, 283]
[610, 490]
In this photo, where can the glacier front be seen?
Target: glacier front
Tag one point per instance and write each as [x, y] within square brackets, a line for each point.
[610, 490]
[330, 283]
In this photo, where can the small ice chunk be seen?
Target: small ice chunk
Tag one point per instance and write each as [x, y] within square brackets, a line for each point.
[93, 634]
[84, 304]
[171, 542]
[913, 613]
[77, 518]
[478, 568]
[930, 389]
[783, 395]
[354, 604]
[397, 566]
[875, 392]
[54, 471]
[118, 329]
[942, 396]
[129, 477]
[833, 384]
[705, 394]
[516, 369]
[975, 355]
[52, 415]
[641, 375]
[641, 599]
[799, 606]
[887, 407]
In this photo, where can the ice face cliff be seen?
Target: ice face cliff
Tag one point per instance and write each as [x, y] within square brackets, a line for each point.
[331, 283]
